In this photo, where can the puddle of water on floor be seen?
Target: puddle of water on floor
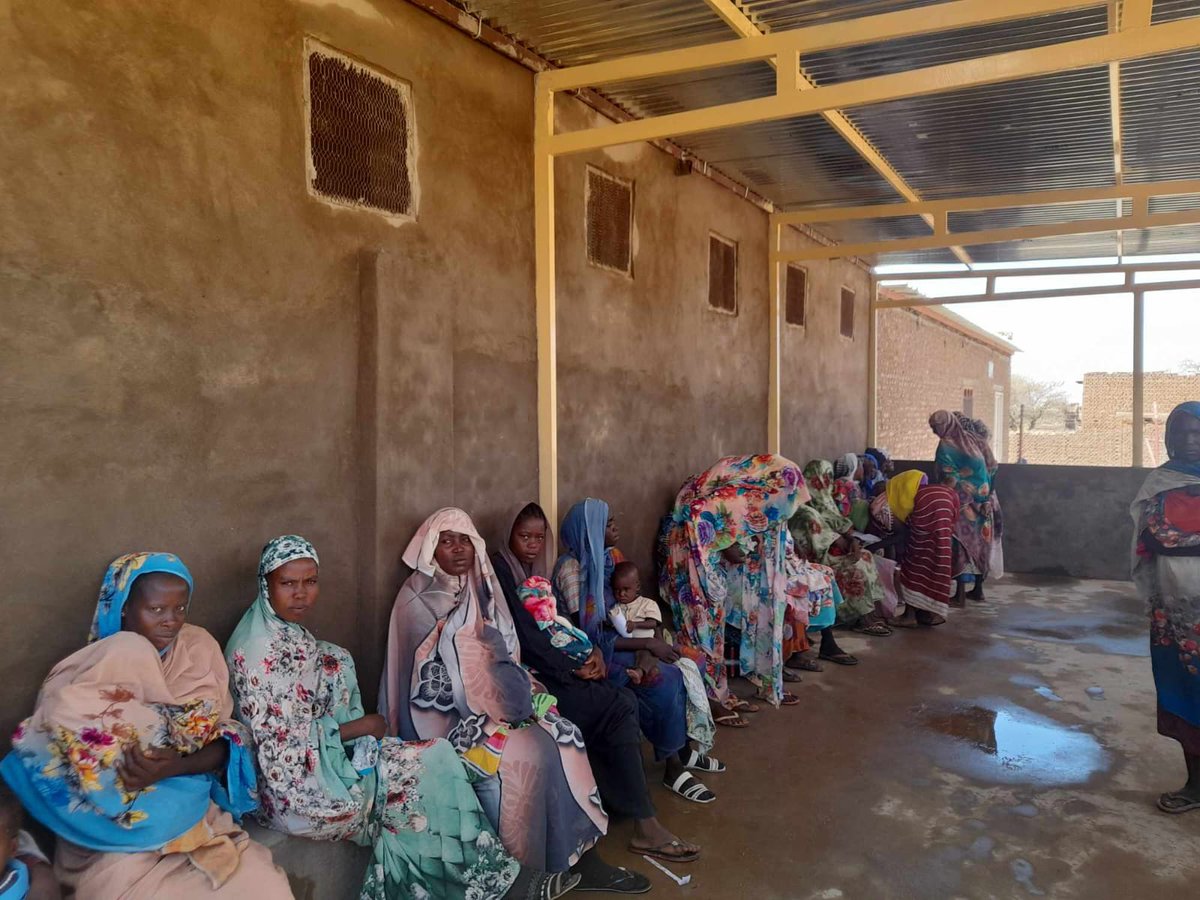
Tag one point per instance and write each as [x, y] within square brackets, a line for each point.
[997, 741]
[1094, 633]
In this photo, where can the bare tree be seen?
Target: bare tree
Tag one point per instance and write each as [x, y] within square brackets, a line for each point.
[1038, 398]
[1190, 367]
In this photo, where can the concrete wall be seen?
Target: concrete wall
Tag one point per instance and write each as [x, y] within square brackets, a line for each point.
[1065, 520]
[195, 355]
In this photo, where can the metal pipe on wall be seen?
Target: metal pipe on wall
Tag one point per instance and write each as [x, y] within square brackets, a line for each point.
[1139, 424]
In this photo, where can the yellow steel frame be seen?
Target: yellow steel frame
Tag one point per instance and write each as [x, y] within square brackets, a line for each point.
[1132, 37]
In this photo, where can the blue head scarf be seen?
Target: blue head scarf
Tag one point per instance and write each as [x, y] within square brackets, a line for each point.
[583, 535]
[14, 881]
[118, 580]
[1191, 408]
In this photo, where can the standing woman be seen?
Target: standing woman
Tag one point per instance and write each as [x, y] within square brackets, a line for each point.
[964, 461]
[1166, 570]
[132, 757]
[453, 670]
[326, 771]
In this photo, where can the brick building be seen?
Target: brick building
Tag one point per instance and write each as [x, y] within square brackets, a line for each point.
[931, 358]
[1104, 437]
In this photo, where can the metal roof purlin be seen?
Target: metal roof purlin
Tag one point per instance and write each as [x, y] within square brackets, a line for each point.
[948, 16]
[733, 16]
[996, 68]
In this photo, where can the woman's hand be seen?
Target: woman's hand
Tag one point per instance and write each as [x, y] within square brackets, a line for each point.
[662, 650]
[594, 669]
[647, 664]
[373, 725]
[142, 768]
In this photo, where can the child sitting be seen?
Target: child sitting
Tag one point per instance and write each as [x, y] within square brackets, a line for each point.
[635, 616]
[537, 596]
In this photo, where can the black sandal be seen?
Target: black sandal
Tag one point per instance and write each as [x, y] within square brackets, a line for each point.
[689, 787]
[619, 881]
[841, 658]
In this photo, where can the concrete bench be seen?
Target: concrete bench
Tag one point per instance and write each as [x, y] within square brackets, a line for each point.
[317, 870]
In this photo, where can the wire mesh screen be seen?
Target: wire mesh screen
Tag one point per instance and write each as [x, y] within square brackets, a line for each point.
[359, 125]
[795, 294]
[722, 274]
[847, 313]
[609, 222]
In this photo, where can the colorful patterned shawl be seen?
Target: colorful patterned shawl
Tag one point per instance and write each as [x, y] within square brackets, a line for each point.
[113, 692]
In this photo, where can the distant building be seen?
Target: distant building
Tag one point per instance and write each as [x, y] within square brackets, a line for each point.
[931, 358]
[1105, 421]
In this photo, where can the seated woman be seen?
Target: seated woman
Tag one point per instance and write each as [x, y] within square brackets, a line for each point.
[582, 585]
[728, 559]
[849, 475]
[453, 670]
[921, 518]
[605, 713]
[132, 758]
[1166, 570]
[823, 535]
[327, 772]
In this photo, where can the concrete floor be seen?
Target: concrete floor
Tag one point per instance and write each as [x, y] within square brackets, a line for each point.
[970, 760]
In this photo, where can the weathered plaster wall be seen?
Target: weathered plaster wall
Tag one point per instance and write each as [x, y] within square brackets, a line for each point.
[1065, 520]
[825, 374]
[195, 355]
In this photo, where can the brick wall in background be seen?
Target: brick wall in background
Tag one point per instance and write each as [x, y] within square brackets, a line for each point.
[925, 365]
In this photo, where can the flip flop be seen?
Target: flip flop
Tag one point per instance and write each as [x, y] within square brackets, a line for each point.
[897, 623]
[878, 629]
[732, 720]
[620, 881]
[789, 675]
[689, 787]
[661, 852]
[807, 665]
[1181, 803]
[698, 762]
[555, 884]
[842, 659]
[744, 705]
[789, 699]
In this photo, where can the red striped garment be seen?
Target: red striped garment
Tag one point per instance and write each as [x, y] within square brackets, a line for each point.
[925, 572]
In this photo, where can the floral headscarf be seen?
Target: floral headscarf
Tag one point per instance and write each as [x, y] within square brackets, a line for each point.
[118, 581]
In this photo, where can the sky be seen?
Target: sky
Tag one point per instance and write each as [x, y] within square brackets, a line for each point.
[1062, 338]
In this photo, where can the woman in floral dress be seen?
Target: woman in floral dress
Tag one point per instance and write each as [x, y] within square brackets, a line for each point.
[132, 757]
[326, 771]
[1166, 570]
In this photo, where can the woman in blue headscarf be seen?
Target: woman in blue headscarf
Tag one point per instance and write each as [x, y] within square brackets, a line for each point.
[581, 582]
[132, 756]
[1166, 570]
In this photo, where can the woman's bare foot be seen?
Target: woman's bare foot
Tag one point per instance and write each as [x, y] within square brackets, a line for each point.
[650, 836]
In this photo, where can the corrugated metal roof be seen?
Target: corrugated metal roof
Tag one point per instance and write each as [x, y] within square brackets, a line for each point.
[1042, 133]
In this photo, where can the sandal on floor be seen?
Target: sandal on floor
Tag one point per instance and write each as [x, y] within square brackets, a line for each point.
[842, 659]
[663, 852]
[878, 629]
[741, 705]
[732, 720]
[806, 665]
[1174, 803]
[620, 881]
[903, 623]
[698, 762]
[789, 699]
[789, 675]
[549, 886]
[689, 787]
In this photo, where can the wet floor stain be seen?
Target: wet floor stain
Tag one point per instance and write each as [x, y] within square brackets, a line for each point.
[1115, 631]
[996, 741]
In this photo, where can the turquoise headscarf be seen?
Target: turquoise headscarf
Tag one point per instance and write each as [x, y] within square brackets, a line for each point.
[118, 581]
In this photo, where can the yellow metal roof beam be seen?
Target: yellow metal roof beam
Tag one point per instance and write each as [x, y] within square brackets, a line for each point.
[792, 76]
[1140, 219]
[1137, 13]
[1114, 107]
[997, 68]
[1139, 193]
[866, 30]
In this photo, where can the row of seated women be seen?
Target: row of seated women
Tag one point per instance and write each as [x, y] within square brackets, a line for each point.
[513, 702]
